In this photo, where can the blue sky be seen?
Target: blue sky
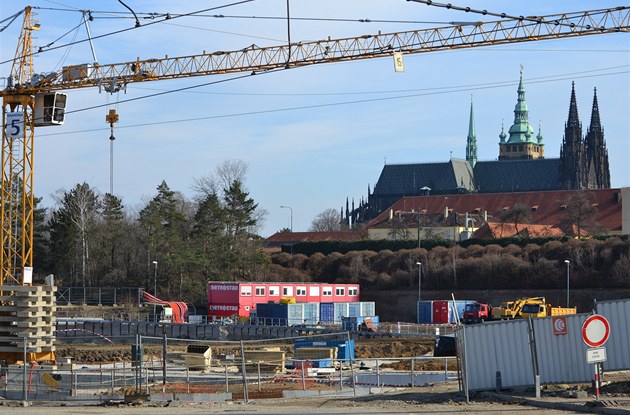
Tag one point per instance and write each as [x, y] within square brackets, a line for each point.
[310, 159]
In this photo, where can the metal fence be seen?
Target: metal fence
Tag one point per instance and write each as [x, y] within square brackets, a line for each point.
[98, 296]
[165, 368]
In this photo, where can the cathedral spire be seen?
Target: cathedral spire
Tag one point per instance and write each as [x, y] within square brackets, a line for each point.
[471, 139]
[597, 171]
[521, 131]
[522, 143]
[573, 120]
[595, 121]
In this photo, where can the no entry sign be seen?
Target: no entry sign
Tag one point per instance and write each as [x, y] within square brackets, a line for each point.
[595, 330]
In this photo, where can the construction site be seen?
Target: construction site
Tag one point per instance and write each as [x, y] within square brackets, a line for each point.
[92, 361]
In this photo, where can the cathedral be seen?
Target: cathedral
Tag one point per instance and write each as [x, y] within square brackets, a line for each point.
[520, 167]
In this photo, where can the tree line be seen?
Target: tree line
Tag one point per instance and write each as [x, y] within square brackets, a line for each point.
[92, 240]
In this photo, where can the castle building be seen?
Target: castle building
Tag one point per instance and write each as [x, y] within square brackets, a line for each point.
[520, 167]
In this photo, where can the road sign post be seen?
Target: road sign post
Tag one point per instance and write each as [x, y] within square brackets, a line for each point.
[595, 332]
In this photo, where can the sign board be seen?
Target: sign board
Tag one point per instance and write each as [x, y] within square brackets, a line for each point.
[595, 330]
[399, 64]
[559, 326]
[15, 125]
[596, 355]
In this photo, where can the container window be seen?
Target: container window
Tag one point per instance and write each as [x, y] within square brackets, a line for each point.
[327, 291]
[313, 291]
[300, 291]
[353, 291]
[260, 291]
[287, 291]
[274, 291]
[340, 291]
[246, 291]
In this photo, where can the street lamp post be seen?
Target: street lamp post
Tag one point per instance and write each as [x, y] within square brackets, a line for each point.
[155, 264]
[566, 261]
[289, 207]
[419, 264]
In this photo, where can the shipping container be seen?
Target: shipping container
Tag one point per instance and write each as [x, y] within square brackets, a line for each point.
[327, 313]
[287, 314]
[425, 312]
[442, 311]
[361, 309]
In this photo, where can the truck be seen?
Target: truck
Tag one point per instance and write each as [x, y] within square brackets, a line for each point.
[546, 310]
[521, 308]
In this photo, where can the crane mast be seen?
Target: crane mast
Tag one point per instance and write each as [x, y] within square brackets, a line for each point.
[27, 91]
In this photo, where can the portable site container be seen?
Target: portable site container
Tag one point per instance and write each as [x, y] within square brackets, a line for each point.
[287, 314]
[425, 312]
[327, 313]
[361, 309]
[226, 299]
[448, 311]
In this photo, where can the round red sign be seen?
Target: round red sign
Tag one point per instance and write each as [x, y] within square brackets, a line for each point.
[595, 330]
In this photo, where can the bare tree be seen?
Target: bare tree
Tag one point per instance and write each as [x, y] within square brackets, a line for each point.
[580, 211]
[328, 221]
[519, 214]
[226, 173]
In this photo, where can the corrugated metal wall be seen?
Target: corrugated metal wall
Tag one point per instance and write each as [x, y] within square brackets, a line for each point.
[562, 358]
[618, 315]
[505, 346]
[501, 346]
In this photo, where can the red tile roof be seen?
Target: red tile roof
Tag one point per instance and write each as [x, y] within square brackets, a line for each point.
[286, 238]
[491, 230]
[546, 206]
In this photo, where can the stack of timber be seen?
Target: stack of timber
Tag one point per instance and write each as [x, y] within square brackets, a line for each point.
[27, 314]
[269, 360]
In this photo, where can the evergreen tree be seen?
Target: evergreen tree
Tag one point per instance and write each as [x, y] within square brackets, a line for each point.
[166, 229]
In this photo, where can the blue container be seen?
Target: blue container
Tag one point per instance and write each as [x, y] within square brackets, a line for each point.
[345, 348]
[425, 312]
[288, 314]
[322, 363]
[327, 313]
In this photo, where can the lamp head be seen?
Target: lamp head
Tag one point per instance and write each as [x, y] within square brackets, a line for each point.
[566, 261]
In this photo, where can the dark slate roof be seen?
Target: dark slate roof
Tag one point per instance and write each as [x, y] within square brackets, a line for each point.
[408, 179]
[525, 175]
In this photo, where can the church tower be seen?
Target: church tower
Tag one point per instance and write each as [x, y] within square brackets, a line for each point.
[521, 143]
[596, 171]
[571, 171]
[471, 140]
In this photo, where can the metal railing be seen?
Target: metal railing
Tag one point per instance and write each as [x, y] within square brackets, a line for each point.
[98, 295]
[170, 368]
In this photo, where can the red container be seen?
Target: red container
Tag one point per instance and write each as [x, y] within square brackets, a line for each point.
[440, 312]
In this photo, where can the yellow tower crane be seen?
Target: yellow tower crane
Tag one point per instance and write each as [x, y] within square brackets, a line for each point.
[30, 100]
